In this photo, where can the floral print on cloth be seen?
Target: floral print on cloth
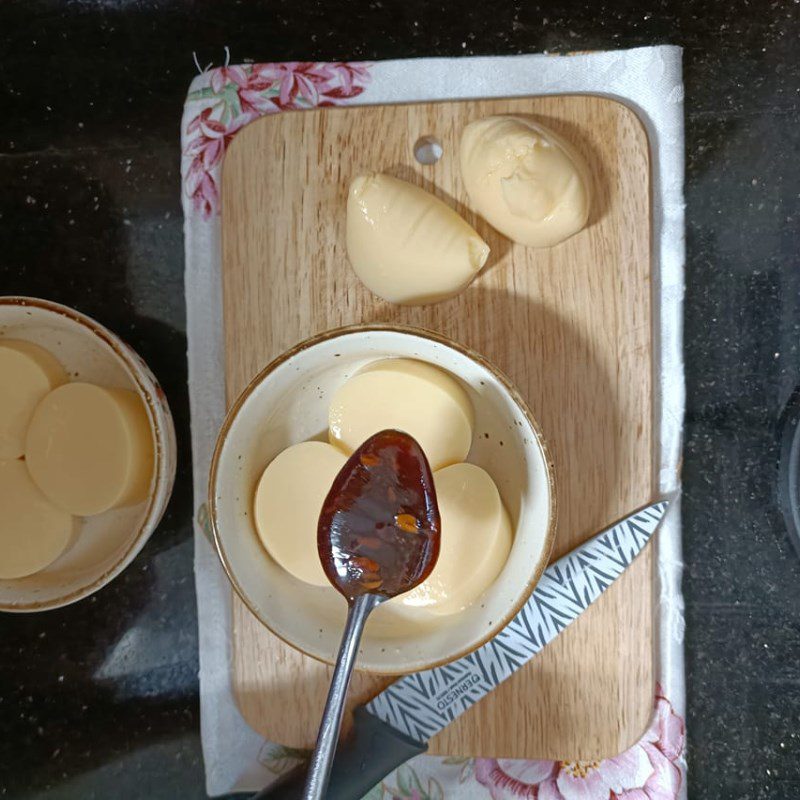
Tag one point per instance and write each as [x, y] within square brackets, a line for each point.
[650, 770]
[239, 94]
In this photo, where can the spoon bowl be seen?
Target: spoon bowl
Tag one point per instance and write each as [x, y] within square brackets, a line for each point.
[379, 528]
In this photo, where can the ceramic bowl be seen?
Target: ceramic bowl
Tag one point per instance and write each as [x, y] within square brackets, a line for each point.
[288, 403]
[106, 543]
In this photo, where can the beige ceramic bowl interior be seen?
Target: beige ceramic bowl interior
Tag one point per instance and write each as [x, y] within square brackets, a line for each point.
[288, 403]
[108, 542]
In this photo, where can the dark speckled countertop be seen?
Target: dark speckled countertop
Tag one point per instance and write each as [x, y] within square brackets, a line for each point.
[99, 700]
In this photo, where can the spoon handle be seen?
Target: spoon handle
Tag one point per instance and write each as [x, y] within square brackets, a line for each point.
[322, 758]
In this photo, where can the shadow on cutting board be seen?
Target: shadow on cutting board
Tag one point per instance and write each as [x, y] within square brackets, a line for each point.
[571, 394]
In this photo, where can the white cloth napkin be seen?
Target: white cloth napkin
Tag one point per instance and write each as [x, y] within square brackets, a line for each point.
[646, 79]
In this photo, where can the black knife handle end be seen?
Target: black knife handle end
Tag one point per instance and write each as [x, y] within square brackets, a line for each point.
[368, 755]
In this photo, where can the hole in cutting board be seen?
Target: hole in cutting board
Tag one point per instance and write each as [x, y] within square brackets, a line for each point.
[428, 150]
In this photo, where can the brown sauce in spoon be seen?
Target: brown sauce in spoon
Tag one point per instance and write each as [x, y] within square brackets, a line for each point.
[379, 528]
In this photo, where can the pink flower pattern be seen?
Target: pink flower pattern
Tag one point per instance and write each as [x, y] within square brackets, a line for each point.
[650, 770]
[236, 95]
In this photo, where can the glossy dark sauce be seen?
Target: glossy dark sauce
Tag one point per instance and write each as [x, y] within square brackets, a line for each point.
[379, 527]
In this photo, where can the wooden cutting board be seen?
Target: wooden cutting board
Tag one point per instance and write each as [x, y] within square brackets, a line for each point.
[571, 325]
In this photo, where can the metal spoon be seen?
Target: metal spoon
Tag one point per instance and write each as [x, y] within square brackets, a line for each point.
[378, 537]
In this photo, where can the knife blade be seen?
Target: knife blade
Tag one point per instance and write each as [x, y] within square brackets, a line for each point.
[397, 724]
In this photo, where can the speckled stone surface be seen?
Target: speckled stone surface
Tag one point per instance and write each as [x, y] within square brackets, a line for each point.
[99, 700]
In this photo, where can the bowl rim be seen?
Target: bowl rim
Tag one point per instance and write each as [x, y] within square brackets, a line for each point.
[439, 338]
[163, 434]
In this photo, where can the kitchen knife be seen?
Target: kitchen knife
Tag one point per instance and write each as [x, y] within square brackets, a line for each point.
[397, 724]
